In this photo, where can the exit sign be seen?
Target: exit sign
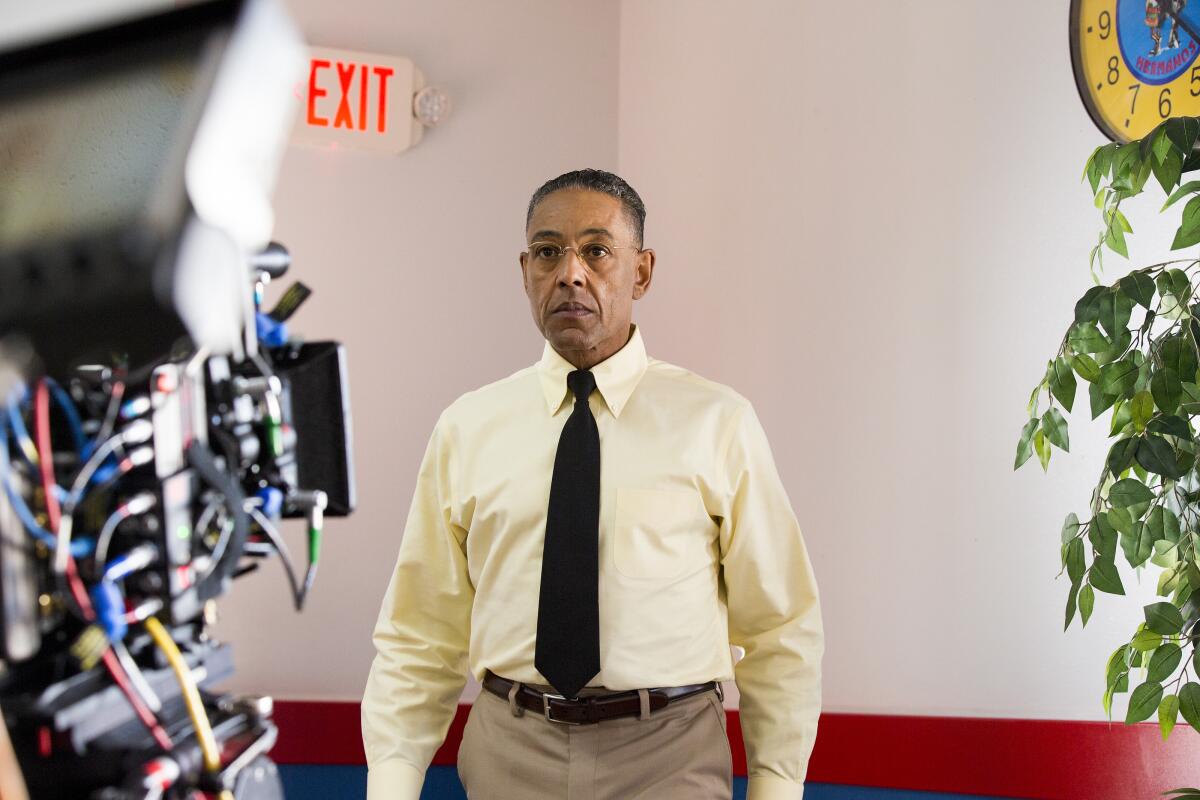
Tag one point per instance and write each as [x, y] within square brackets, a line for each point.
[359, 101]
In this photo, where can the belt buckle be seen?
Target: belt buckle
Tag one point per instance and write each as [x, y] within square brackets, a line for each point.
[546, 698]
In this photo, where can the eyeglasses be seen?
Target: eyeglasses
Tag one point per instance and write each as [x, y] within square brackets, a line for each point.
[546, 255]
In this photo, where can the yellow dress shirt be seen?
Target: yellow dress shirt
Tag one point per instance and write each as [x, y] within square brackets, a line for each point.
[699, 549]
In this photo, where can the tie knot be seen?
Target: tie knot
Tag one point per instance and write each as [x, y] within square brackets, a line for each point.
[582, 382]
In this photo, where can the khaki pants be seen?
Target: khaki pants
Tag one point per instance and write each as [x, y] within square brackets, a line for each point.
[680, 752]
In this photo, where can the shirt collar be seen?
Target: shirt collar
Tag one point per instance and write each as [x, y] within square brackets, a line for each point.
[616, 376]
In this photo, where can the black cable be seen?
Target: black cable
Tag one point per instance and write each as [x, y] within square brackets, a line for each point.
[235, 500]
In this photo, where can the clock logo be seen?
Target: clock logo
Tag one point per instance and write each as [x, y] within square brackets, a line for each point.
[1152, 44]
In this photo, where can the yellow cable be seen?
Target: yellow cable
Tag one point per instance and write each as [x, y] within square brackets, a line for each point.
[191, 695]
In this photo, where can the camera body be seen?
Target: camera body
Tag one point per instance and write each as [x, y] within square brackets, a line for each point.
[157, 422]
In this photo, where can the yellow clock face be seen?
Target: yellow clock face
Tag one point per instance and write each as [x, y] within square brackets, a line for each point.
[1136, 62]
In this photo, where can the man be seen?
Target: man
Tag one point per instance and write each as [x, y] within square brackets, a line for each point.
[589, 535]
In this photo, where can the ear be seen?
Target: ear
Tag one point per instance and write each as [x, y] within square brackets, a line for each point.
[644, 273]
[524, 259]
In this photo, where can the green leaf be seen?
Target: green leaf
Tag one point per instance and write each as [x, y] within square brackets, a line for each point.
[1122, 417]
[1140, 287]
[1042, 447]
[1162, 523]
[1121, 520]
[1156, 455]
[1055, 427]
[1171, 426]
[1103, 576]
[1115, 239]
[1075, 565]
[1087, 308]
[1103, 537]
[1178, 353]
[1087, 338]
[1191, 187]
[1129, 492]
[1070, 528]
[1143, 702]
[1086, 367]
[1138, 545]
[1119, 377]
[1025, 445]
[1164, 662]
[1072, 595]
[1175, 281]
[1117, 663]
[1062, 382]
[1120, 456]
[1087, 601]
[1168, 171]
[1166, 389]
[1168, 712]
[1145, 641]
[1116, 348]
[1164, 618]
[1183, 238]
[1189, 704]
[1160, 144]
[1116, 307]
[1141, 408]
[1182, 132]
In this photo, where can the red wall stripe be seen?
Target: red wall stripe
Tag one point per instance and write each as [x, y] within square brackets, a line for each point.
[1049, 759]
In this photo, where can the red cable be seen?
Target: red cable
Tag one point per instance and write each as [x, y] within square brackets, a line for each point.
[46, 453]
[41, 412]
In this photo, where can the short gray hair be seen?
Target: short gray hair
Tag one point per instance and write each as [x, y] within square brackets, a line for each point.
[597, 180]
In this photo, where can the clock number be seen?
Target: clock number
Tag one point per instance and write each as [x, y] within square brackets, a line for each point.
[1164, 103]
[1105, 25]
[1133, 103]
[1114, 71]
[1195, 79]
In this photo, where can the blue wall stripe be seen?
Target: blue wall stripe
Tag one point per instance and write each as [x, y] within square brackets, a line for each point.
[318, 782]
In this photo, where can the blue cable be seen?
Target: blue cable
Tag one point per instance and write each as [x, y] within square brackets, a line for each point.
[82, 445]
[79, 547]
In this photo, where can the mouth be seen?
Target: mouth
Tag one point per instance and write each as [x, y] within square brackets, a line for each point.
[571, 310]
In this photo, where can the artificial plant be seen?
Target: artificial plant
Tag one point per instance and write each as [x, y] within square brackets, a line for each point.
[1134, 343]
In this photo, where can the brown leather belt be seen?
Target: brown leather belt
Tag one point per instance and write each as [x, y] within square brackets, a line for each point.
[589, 709]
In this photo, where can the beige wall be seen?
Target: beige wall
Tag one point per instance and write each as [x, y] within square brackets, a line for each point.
[869, 221]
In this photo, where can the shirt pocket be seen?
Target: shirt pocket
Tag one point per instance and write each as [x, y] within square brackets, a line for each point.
[658, 533]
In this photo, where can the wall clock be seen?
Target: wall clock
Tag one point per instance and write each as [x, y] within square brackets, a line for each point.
[1136, 62]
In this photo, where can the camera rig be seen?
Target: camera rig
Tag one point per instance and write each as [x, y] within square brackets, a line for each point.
[157, 422]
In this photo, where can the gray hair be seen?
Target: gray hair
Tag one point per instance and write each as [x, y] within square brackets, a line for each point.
[597, 180]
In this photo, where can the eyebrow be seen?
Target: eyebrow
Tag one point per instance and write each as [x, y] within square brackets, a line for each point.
[540, 235]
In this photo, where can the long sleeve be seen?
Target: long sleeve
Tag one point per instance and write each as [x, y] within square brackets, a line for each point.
[421, 636]
[774, 614]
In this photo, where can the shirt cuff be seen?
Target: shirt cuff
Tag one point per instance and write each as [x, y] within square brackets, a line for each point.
[768, 787]
[394, 779]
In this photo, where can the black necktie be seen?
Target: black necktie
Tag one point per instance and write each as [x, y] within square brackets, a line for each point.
[568, 627]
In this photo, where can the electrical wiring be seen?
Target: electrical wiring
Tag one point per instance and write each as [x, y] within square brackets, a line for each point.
[281, 547]
[138, 504]
[79, 547]
[111, 662]
[64, 401]
[136, 678]
[191, 694]
[137, 432]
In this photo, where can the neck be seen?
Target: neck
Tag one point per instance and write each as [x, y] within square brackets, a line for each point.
[586, 359]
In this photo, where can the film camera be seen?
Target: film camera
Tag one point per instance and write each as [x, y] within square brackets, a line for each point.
[157, 421]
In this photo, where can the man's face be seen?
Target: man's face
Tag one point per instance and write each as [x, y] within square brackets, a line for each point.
[582, 301]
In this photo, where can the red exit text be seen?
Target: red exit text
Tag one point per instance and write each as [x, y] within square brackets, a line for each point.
[362, 88]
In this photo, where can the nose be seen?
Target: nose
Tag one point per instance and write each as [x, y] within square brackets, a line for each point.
[571, 268]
